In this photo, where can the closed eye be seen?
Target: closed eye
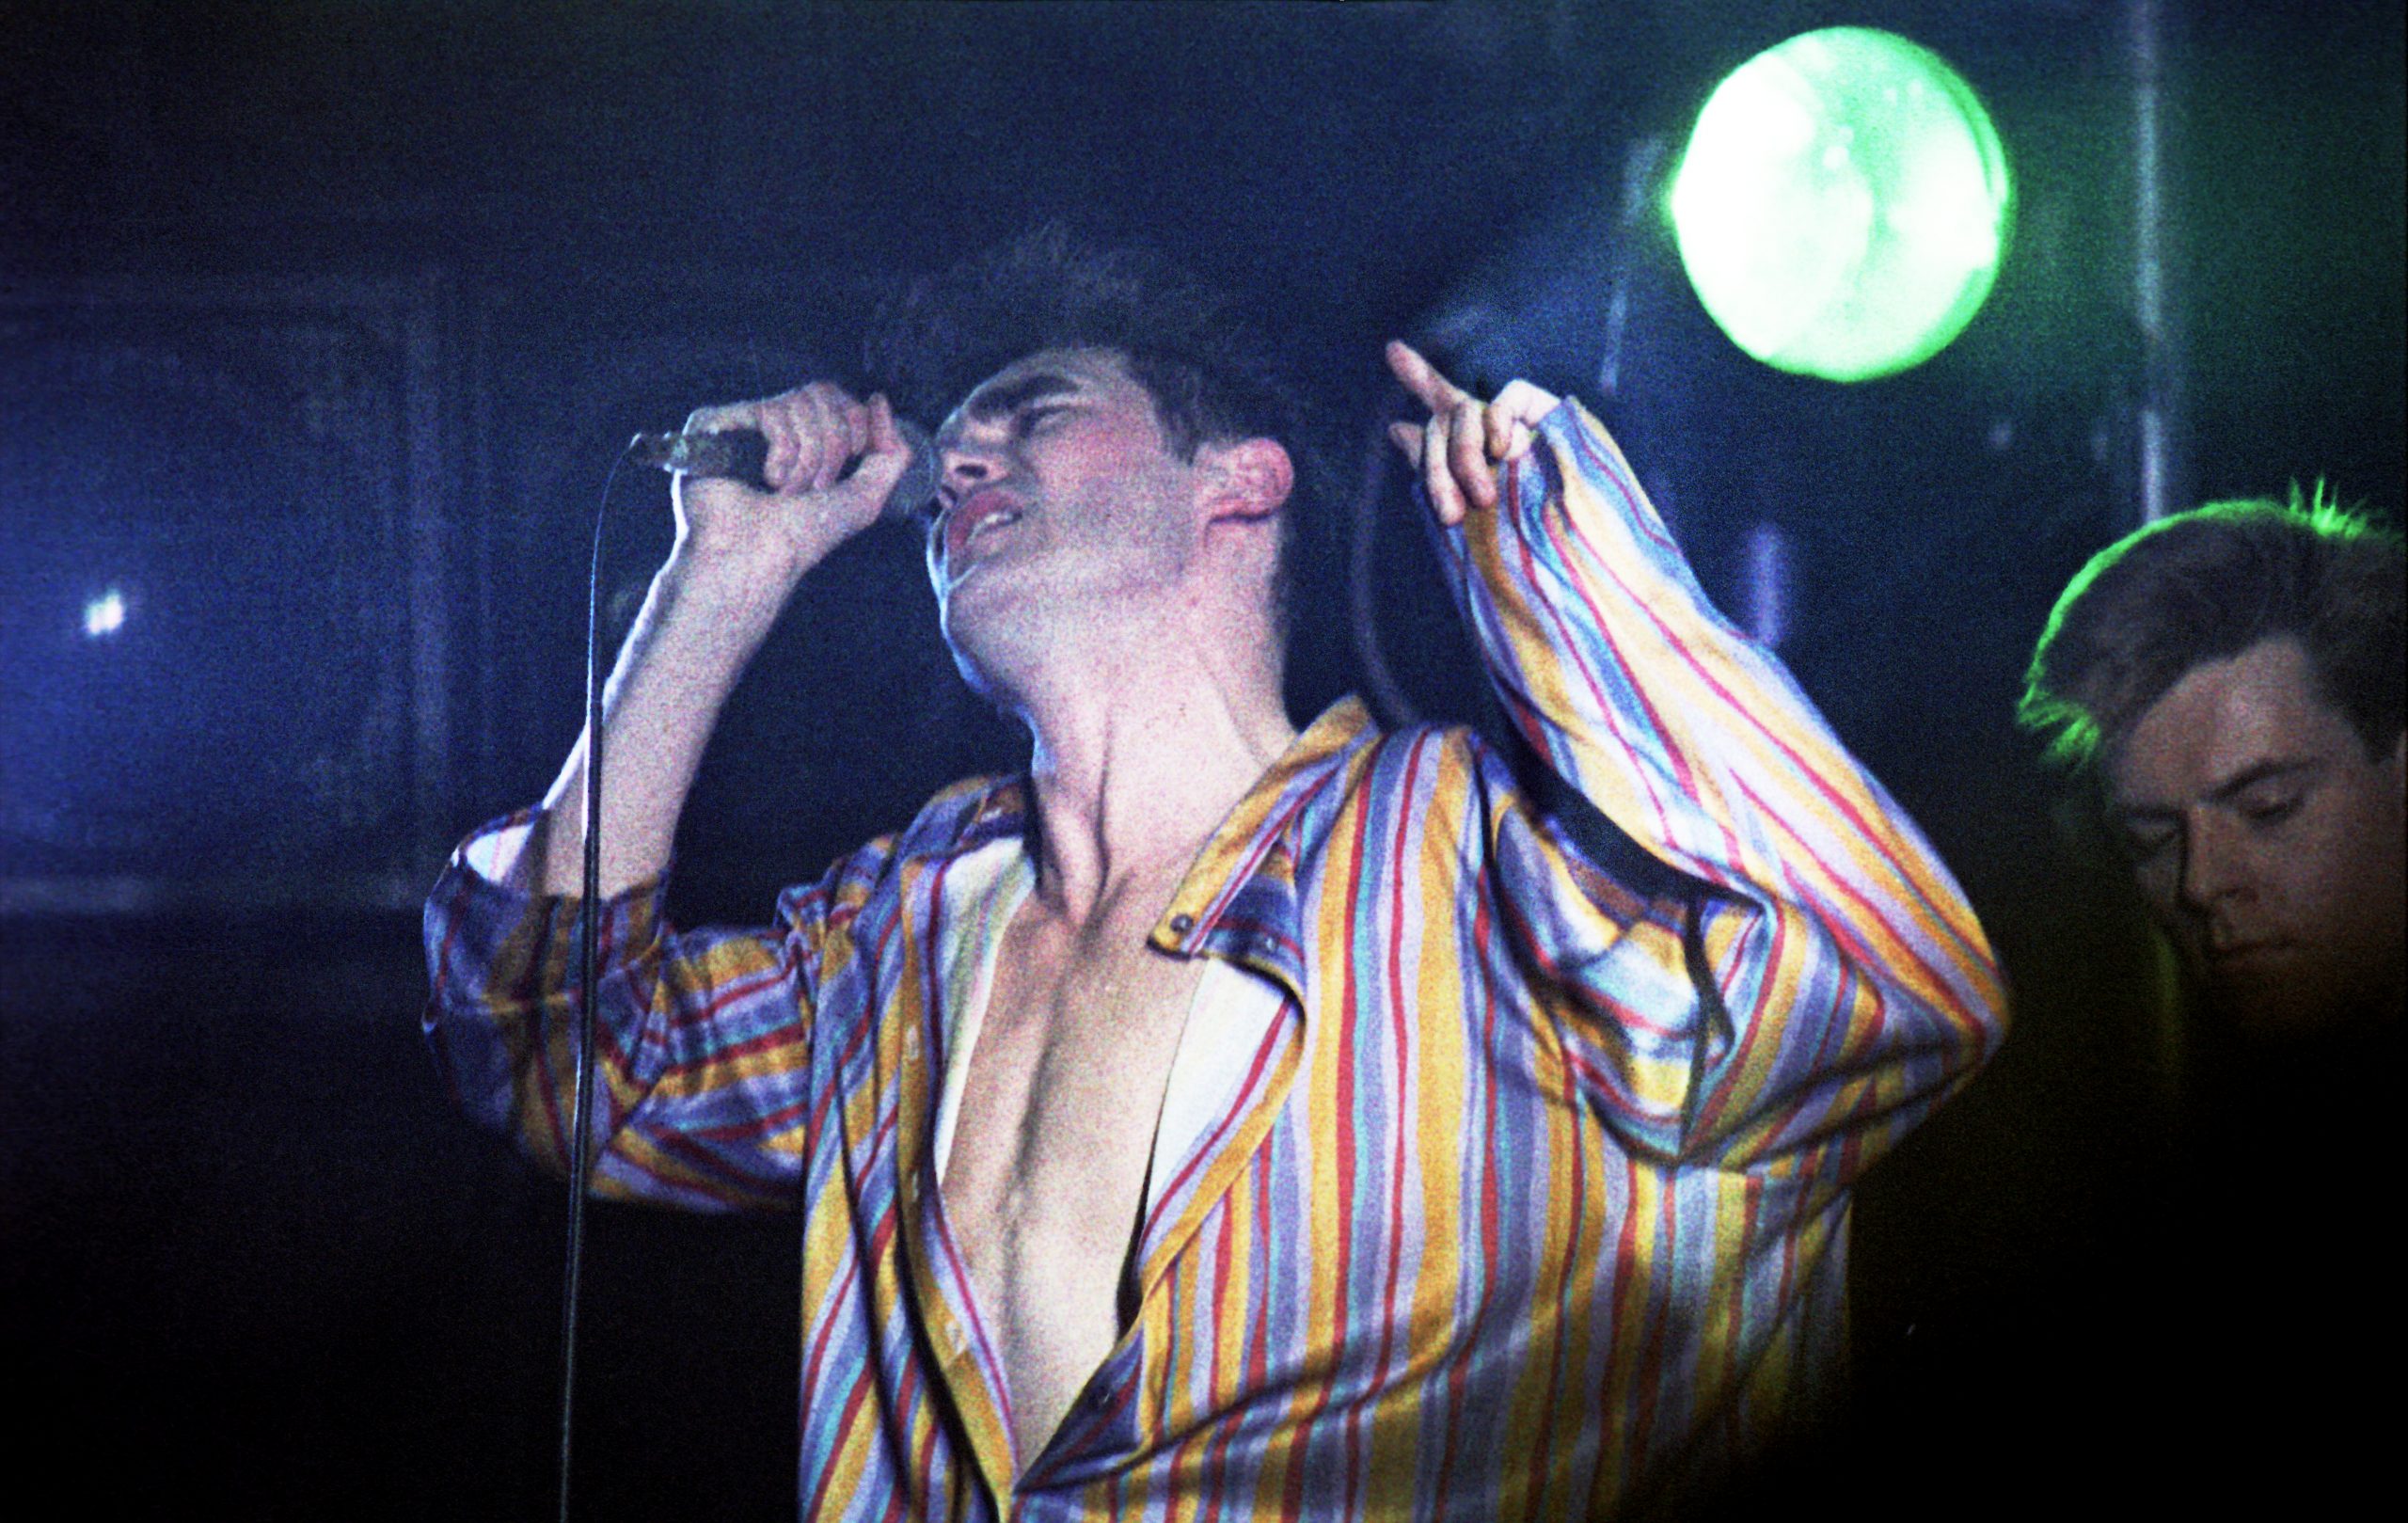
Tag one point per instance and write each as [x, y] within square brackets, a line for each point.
[2270, 811]
[2270, 794]
[1030, 418]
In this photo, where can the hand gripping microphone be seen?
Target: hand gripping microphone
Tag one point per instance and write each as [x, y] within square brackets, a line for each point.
[739, 454]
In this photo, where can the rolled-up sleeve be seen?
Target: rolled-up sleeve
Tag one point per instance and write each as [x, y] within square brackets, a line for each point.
[703, 1038]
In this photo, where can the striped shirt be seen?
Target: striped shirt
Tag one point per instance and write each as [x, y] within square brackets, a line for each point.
[1527, 1194]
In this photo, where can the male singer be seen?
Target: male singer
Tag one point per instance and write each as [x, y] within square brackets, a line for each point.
[1216, 1120]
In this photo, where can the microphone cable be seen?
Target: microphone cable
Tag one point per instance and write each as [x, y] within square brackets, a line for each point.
[588, 926]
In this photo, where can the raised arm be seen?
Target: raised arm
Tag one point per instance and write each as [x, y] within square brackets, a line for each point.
[737, 557]
[703, 1036]
[1839, 982]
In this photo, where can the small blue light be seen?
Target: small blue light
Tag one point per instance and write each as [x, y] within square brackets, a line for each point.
[104, 615]
[1769, 575]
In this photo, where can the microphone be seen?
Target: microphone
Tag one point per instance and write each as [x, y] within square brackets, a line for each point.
[739, 453]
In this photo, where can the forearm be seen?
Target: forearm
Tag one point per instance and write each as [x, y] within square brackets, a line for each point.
[1850, 980]
[702, 621]
[1831, 978]
[1694, 741]
[700, 1034]
[739, 554]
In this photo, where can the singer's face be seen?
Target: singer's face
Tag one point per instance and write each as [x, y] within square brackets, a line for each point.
[1061, 501]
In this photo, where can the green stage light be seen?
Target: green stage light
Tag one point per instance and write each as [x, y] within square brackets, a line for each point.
[1841, 204]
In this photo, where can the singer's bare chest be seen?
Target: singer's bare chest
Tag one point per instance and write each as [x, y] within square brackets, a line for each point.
[1059, 1111]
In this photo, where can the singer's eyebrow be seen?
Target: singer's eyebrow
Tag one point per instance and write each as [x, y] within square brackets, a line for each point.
[986, 405]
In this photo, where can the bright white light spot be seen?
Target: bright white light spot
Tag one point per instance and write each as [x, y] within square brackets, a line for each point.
[104, 615]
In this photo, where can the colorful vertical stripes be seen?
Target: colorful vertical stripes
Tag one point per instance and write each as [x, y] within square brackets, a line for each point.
[1535, 1195]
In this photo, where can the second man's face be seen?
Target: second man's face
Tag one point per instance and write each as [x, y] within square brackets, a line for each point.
[2268, 845]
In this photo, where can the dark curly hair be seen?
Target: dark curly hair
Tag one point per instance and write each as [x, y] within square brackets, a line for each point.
[1213, 378]
[2208, 584]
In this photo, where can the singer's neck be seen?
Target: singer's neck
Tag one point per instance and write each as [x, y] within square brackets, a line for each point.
[1136, 760]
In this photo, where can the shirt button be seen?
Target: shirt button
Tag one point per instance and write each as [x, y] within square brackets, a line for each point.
[1182, 924]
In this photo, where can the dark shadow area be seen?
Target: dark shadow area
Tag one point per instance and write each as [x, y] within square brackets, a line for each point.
[257, 1268]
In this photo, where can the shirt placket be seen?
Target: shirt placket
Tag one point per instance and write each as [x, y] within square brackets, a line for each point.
[939, 1279]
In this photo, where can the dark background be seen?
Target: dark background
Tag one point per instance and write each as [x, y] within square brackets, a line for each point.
[321, 324]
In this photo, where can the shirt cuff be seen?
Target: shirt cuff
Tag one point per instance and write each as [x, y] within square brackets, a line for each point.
[492, 850]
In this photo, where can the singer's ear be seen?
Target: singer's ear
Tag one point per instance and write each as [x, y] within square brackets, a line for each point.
[1246, 479]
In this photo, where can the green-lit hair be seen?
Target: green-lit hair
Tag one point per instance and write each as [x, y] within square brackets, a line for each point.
[2209, 584]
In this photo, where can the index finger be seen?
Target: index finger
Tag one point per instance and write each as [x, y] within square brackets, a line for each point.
[1433, 390]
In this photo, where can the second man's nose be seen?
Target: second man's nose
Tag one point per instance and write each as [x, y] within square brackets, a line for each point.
[2213, 867]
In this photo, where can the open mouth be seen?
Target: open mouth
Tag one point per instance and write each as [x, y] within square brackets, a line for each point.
[976, 519]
